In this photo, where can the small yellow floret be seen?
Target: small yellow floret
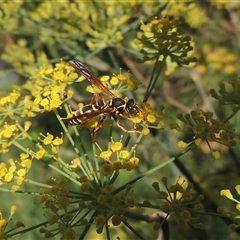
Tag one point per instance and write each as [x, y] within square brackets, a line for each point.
[182, 144]
[151, 118]
[226, 193]
[104, 78]
[145, 131]
[106, 155]
[238, 189]
[238, 206]
[114, 81]
[48, 139]
[116, 146]
[198, 141]
[27, 125]
[124, 154]
[216, 154]
[57, 141]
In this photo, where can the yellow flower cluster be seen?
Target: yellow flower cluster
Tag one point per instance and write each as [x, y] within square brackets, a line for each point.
[176, 201]
[77, 19]
[205, 128]
[193, 14]
[23, 58]
[117, 84]
[55, 143]
[154, 117]
[9, 15]
[228, 94]
[7, 103]
[219, 59]
[16, 172]
[43, 92]
[161, 39]
[105, 201]
[10, 133]
[121, 159]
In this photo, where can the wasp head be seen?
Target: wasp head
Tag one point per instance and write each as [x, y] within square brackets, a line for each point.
[132, 107]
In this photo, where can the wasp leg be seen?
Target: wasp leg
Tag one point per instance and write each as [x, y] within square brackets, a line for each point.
[97, 100]
[121, 127]
[96, 130]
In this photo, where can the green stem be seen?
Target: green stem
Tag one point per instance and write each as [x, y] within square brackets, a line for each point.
[113, 58]
[67, 175]
[232, 114]
[84, 155]
[158, 67]
[138, 234]
[43, 224]
[136, 144]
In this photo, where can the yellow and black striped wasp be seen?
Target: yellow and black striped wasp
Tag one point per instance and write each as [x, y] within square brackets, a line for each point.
[114, 106]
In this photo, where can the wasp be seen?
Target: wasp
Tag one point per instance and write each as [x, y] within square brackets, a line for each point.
[114, 106]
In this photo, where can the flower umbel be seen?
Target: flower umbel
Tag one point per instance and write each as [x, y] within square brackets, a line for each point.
[176, 201]
[163, 38]
[97, 205]
[228, 94]
[206, 128]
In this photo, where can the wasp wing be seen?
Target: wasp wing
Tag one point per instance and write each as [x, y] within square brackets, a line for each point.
[90, 77]
[82, 118]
